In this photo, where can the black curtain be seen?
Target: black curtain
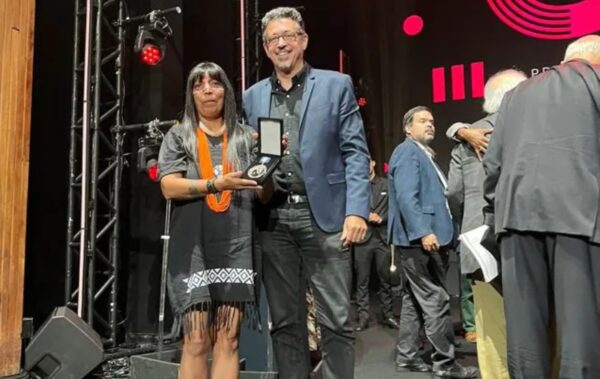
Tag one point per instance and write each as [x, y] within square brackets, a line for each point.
[152, 92]
[48, 159]
[383, 62]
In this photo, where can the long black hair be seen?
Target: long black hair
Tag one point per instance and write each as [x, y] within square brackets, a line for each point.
[239, 137]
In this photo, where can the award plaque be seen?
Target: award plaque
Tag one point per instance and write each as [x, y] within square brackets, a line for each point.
[270, 131]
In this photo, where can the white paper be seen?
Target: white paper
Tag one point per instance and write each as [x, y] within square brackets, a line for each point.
[270, 137]
[471, 245]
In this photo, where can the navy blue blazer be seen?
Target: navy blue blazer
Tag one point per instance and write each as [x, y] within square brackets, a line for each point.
[417, 204]
[333, 147]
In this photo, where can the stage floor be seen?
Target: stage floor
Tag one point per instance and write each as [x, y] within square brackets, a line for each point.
[375, 346]
[375, 355]
[374, 349]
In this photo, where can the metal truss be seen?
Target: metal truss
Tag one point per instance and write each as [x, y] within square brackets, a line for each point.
[95, 165]
[250, 44]
[254, 41]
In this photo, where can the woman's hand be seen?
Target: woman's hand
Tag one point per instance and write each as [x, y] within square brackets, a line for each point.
[234, 181]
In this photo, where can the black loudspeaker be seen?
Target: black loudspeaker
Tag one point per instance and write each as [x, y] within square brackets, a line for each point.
[64, 347]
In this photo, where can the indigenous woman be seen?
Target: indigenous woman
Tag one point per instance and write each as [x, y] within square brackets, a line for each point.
[211, 276]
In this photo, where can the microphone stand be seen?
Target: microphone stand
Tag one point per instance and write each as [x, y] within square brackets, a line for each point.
[393, 266]
[163, 279]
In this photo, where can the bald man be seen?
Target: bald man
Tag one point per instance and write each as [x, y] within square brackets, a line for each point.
[543, 181]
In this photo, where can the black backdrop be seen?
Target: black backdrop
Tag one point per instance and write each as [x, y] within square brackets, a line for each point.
[395, 68]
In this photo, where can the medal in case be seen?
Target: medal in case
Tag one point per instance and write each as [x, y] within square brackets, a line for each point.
[270, 150]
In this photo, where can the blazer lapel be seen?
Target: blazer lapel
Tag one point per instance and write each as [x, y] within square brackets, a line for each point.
[438, 172]
[265, 100]
[308, 88]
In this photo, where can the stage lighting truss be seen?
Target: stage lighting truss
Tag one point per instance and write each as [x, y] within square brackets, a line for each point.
[97, 158]
[150, 42]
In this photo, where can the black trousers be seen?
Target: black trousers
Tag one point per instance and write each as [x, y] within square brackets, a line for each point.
[425, 303]
[373, 248]
[295, 251]
[547, 279]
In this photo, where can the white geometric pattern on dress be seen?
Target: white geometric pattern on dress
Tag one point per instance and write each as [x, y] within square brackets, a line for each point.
[219, 275]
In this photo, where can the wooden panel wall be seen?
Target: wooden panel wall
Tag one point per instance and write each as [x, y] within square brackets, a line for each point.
[16, 71]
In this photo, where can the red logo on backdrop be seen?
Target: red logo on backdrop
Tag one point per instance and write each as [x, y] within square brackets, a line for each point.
[537, 19]
[457, 82]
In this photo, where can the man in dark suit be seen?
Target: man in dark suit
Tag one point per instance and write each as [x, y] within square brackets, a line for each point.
[320, 202]
[374, 247]
[420, 225]
[543, 170]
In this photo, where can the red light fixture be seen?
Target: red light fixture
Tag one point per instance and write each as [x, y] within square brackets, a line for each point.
[150, 54]
[150, 42]
[152, 172]
[147, 157]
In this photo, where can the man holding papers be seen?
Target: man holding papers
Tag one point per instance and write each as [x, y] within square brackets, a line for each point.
[465, 197]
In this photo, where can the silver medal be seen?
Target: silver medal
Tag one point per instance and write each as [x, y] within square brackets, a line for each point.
[257, 171]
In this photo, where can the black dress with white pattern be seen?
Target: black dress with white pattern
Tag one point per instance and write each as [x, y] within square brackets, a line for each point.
[210, 254]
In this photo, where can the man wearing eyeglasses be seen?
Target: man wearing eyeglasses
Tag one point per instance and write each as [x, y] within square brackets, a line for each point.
[320, 200]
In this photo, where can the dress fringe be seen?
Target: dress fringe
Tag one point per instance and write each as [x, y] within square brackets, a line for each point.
[217, 315]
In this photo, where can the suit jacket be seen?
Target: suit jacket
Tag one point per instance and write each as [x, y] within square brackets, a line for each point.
[543, 161]
[333, 147]
[465, 190]
[417, 204]
[465, 181]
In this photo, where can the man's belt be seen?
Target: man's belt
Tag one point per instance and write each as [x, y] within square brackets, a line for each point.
[293, 198]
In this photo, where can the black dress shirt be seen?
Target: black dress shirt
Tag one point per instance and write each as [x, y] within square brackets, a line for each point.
[287, 105]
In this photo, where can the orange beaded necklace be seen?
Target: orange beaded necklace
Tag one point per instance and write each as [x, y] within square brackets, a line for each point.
[207, 171]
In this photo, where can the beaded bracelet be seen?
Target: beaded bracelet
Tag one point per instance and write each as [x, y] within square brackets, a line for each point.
[210, 186]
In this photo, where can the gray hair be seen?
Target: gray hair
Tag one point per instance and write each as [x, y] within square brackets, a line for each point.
[408, 116]
[239, 142]
[498, 85]
[583, 47]
[279, 13]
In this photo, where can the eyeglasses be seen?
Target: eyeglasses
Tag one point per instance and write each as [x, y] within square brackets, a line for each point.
[213, 84]
[287, 37]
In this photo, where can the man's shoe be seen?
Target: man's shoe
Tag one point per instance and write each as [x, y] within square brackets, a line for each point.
[362, 325]
[471, 337]
[457, 371]
[413, 366]
[390, 322]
